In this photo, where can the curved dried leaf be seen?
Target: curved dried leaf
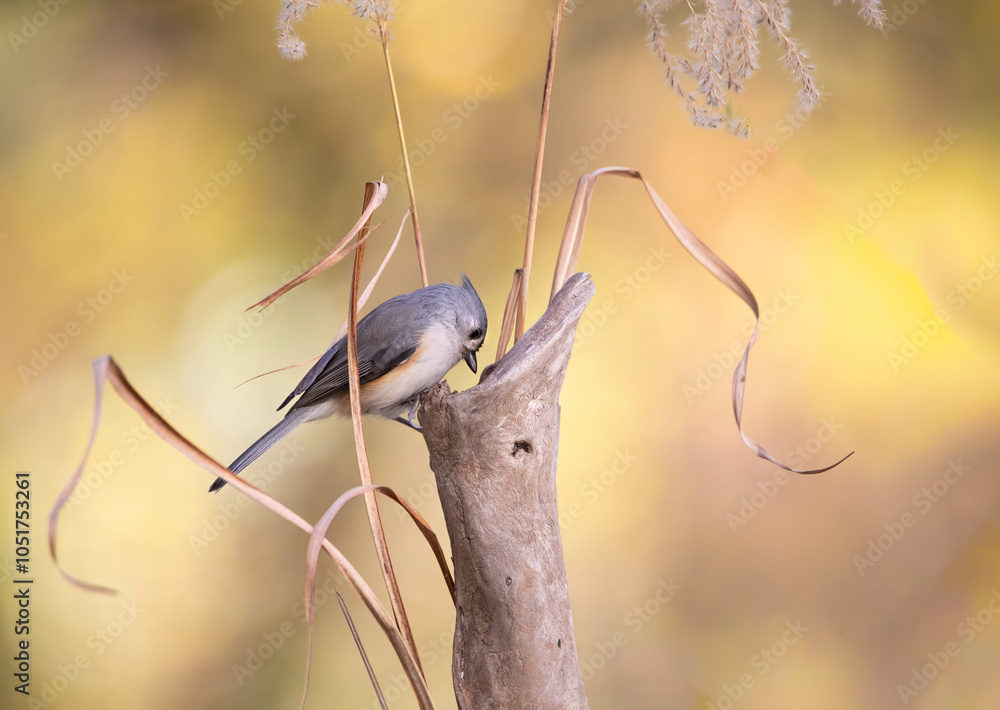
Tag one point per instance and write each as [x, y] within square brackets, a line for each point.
[569, 254]
[319, 534]
[106, 370]
[361, 303]
[100, 367]
[363, 299]
[338, 252]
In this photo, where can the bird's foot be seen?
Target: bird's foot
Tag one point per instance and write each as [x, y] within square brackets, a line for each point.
[409, 420]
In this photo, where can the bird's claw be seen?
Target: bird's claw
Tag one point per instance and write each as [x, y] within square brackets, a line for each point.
[413, 413]
[408, 421]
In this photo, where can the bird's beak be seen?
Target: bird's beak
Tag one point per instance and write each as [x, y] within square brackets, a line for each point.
[470, 360]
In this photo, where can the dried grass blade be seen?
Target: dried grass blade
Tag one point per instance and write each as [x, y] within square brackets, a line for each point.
[417, 239]
[361, 303]
[319, 534]
[361, 650]
[335, 254]
[321, 528]
[280, 369]
[107, 370]
[371, 505]
[569, 247]
[573, 238]
[536, 180]
[324, 264]
[100, 368]
[363, 299]
[507, 326]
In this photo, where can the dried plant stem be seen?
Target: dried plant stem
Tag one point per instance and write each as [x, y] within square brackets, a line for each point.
[106, 370]
[361, 303]
[375, 520]
[335, 255]
[318, 536]
[361, 650]
[507, 325]
[536, 181]
[384, 39]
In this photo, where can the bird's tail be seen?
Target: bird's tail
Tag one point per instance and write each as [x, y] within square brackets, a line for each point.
[275, 434]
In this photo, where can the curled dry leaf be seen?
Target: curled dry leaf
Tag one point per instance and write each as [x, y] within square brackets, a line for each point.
[100, 368]
[319, 534]
[361, 303]
[106, 370]
[363, 299]
[337, 253]
[569, 255]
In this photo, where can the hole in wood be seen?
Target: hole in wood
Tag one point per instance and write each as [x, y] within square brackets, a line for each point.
[521, 445]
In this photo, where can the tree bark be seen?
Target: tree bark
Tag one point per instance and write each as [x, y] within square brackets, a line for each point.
[493, 449]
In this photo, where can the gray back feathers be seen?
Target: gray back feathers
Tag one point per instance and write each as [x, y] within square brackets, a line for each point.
[388, 336]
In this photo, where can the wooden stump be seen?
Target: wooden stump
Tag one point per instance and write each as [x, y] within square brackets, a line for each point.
[493, 449]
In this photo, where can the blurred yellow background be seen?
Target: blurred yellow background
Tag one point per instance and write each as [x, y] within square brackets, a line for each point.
[161, 168]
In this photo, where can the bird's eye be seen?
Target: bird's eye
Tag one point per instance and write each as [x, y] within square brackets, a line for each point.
[476, 334]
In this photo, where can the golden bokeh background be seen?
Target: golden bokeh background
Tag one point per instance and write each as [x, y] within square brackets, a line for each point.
[700, 576]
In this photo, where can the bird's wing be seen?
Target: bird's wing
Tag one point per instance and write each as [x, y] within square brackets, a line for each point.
[314, 372]
[382, 346]
[333, 379]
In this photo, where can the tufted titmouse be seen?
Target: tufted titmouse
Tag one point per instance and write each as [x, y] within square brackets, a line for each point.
[405, 345]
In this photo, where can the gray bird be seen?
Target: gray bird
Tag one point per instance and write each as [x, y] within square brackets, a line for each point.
[405, 345]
